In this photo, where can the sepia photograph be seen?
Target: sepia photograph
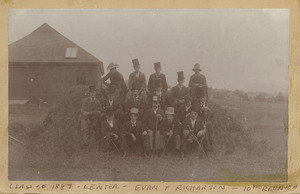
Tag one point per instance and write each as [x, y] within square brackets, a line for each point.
[173, 95]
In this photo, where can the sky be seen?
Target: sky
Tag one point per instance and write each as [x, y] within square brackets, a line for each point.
[244, 49]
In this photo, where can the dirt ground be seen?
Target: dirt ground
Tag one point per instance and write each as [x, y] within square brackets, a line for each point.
[36, 159]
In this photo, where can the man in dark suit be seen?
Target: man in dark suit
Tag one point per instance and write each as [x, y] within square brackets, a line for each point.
[179, 92]
[171, 129]
[157, 76]
[198, 84]
[111, 129]
[192, 131]
[153, 118]
[132, 138]
[135, 100]
[111, 102]
[161, 95]
[116, 80]
[184, 110]
[91, 112]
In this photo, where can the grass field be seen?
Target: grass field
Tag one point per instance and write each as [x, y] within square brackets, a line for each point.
[37, 158]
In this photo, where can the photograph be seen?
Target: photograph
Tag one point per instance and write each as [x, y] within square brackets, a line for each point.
[172, 95]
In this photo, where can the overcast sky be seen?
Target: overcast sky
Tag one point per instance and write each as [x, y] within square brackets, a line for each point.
[245, 49]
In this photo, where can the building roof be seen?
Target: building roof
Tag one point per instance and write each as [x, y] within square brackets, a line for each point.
[45, 44]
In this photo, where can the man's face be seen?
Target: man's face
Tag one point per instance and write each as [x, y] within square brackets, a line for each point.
[194, 115]
[170, 117]
[133, 117]
[93, 94]
[188, 103]
[135, 93]
[157, 70]
[137, 68]
[158, 90]
[180, 82]
[155, 105]
[197, 72]
[113, 70]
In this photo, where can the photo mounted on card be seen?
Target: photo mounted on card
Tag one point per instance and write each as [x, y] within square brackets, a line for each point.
[135, 95]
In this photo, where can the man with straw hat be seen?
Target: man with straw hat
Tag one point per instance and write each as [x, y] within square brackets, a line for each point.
[179, 92]
[198, 84]
[171, 129]
[116, 80]
[91, 112]
[157, 76]
[153, 118]
[132, 138]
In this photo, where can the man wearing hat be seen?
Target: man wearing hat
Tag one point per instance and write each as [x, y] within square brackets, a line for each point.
[137, 77]
[153, 118]
[198, 84]
[184, 110]
[161, 96]
[157, 76]
[111, 129]
[179, 92]
[116, 80]
[113, 103]
[91, 112]
[135, 100]
[132, 138]
[192, 131]
[171, 129]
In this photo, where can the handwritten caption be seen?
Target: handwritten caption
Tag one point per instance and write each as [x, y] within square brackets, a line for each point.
[165, 187]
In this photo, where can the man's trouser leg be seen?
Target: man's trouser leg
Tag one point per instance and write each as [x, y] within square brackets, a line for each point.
[85, 131]
[177, 140]
[184, 140]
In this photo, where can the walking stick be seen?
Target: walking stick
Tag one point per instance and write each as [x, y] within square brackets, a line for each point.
[168, 139]
[200, 146]
[115, 145]
[154, 135]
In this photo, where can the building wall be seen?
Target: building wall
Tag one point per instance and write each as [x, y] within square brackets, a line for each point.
[47, 81]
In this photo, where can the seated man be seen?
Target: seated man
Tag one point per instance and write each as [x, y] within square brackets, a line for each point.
[193, 132]
[171, 129]
[135, 101]
[161, 96]
[91, 112]
[184, 111]
[113, 103]
[152, 120]
[111, 129]
[132, 139]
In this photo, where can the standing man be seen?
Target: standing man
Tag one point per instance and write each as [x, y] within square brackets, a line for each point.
[116, 80]
[138, 78]
[198, 85]
[157, 75]
[91, 112]
[153, 119]
[179, 92]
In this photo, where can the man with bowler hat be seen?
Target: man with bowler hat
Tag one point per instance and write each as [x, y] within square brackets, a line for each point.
[198, 84]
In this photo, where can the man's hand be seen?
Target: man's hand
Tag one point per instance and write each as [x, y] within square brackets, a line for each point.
[133, 137]
[86, 113]
[170, 133]
[145, 133]
[200, 133]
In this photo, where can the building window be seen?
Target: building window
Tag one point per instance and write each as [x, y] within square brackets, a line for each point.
[81, 77]
[71, 53]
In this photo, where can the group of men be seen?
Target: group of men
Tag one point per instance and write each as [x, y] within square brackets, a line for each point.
[148, 119]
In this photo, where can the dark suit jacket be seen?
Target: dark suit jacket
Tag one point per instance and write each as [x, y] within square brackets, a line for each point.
[137, 130]
[175, 126]
[198, 125]
[201, 80]
[116, 80]
[89, 106]
[106, 129]
[150, 119]
[182, 113]
[162, 100]
[140, 104]
[116, 106]
[163, 79]
[178, 94]
[140, 82]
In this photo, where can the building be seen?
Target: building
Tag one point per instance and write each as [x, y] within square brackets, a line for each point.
[45, 64]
